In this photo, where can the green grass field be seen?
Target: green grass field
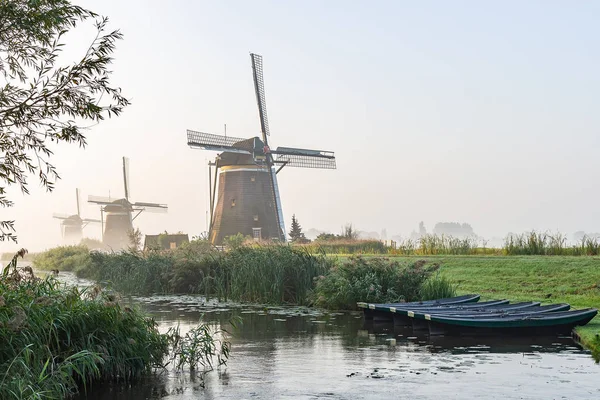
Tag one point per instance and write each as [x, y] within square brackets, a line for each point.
[549, 279]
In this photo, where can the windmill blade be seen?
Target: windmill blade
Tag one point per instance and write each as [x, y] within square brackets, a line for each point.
[60, 216]
[209, 141]
[259, 89]
[305, 158]
[90, 220]
[77, 195]
[150, 205]
[126, 177]
[100, 200]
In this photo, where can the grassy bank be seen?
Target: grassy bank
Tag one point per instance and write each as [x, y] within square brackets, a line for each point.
[574, 280]
[275, 274]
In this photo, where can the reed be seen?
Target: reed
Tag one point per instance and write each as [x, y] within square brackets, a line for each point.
[437, 287]
[433, 244]
[549, 244]
[274, 274]
[56, 340]
[345, 246]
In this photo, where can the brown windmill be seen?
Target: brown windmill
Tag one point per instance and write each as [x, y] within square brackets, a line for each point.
[248, 200]
[118, 215]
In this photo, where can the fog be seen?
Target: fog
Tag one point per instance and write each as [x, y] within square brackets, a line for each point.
[460, 111]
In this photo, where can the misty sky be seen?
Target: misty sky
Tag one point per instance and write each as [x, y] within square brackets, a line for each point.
[466, 111]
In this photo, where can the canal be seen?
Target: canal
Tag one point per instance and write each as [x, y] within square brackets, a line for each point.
[302, 353]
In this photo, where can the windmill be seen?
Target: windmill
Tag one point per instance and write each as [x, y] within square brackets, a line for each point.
[248, 200]
[118, 215]
[72, 225]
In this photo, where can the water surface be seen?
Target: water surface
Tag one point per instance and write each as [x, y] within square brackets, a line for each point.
[302, 353]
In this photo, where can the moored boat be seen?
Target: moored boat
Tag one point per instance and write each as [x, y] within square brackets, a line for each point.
[517, 323]
[371, 310]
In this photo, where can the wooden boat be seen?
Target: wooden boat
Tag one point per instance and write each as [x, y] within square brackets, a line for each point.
[518, 323]
[371, 310]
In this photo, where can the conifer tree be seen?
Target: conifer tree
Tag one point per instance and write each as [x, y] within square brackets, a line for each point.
[296, 231]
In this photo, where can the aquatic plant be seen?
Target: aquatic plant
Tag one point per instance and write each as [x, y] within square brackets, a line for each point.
[198, 347]
[274, 274]
[130, 272]
[56, 340]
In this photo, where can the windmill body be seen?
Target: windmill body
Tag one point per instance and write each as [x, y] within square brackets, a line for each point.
[247, 199]
[118, 215]
[72, 225]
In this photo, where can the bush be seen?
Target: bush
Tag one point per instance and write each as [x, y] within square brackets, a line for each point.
[64, 258]
[374, 280]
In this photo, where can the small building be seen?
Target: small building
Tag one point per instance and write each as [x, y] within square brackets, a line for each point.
[165, 241]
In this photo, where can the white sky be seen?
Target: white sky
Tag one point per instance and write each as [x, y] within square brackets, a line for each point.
[464, 111]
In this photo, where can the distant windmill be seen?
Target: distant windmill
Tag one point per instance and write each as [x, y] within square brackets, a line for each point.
[118, 215]
[248, 201]
[72, 225]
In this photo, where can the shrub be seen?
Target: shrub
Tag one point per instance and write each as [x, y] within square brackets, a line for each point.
[374, 280]
[64, 258]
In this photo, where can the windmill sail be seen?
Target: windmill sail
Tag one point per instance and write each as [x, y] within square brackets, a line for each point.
[126, 177]
[77, 195]
[259, 89]
[209, 141]
[304, 158]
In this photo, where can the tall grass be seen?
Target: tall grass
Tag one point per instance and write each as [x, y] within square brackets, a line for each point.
[275, 274]
[346, 246]
[271, 274]
[433, 244]
[437, 287]
[548, 244]
[56, 340]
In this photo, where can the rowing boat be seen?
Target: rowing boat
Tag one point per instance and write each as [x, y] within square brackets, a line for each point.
[518, 323]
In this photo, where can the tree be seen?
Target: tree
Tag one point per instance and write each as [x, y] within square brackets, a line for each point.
[326, 237]
[296, 235]
[349, 232]
[422, 230]
[42, 101]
